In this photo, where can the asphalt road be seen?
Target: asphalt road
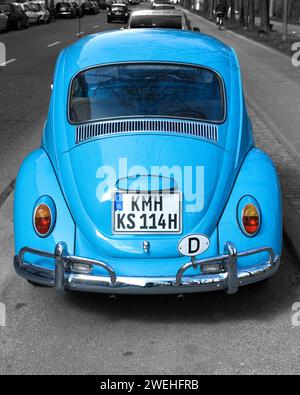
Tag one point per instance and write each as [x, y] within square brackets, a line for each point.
[46, 332]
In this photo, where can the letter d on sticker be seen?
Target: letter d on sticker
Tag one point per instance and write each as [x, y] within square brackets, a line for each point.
[193, 245]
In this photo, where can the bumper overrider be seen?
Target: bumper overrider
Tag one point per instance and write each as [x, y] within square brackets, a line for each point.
[64, 277]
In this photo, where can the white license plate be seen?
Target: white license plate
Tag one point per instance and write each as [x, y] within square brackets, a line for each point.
[147, 213]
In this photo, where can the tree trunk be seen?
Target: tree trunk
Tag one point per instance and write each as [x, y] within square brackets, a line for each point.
[246, 5]
[265, 15]
[242, 12]
[211, 9]
[232, 10]
[285, 21]
[251, 14]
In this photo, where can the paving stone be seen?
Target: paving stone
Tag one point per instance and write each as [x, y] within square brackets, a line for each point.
[289, 173]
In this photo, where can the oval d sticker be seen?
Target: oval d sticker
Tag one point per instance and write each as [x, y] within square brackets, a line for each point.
[193, 245]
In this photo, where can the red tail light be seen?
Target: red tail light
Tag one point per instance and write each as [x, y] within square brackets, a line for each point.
[251, 219]
[42, 219]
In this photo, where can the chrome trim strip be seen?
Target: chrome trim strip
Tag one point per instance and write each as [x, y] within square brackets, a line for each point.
[230, 277]
[93, 130]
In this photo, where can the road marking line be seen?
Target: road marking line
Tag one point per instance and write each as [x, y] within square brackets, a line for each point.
[53, 44]
[79, 34]
[7, 62]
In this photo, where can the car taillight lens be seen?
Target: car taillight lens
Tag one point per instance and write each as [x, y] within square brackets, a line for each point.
[42, 219]
[251, 219]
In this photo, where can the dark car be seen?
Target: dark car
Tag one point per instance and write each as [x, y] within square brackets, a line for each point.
[161, 2]
[78, 9]
[159, 6]
[90, 7]
[167, 19]
[16, 16]
[65, 10]
[118, 12]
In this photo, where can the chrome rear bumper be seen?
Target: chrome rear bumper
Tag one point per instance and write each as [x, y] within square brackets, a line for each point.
[229, 278]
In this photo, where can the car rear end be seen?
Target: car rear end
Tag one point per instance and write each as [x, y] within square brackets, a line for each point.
[164, 19]
[118, 12]
[154, 185]
[63, 10]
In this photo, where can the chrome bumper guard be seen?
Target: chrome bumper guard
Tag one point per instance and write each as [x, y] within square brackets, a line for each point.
[229, 278]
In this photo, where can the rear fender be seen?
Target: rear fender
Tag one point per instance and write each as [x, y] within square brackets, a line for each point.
[36, 179]
[257, 178]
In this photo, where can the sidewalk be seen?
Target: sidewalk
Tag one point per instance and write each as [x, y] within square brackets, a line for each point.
[272, 92]
[289, 173]
[277, 26]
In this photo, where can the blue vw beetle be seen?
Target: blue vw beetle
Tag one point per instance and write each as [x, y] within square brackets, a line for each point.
[147, 179]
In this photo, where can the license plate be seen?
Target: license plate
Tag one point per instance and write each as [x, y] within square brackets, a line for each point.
[138, 213]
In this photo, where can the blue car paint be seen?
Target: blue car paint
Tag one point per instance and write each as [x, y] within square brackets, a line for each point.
[36, 179]
[259, 179]
[67, 172]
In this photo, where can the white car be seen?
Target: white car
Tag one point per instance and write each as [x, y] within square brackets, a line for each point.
[34, 12]
[32, 15]
[43, 14]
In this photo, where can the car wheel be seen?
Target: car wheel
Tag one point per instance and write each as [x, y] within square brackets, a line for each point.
[108, 20]
[38, 21]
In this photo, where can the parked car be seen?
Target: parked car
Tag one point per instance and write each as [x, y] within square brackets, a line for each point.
[35, 13]
[158, 6]
[65, 10]
[42, 12]
[90, 8]
[78, 9]
[161, 2]
[148, 179]
[3, 21]
[33, 17]
[16, 16]
[48, 16]
[118, 12]
[171, 19]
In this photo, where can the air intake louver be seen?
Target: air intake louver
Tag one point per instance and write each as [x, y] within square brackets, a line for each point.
[105, 128]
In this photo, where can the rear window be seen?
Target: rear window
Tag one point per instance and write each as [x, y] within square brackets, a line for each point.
[64, 5]
[161, 21]
[164, 7]
[151, 90]
[118, 8]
